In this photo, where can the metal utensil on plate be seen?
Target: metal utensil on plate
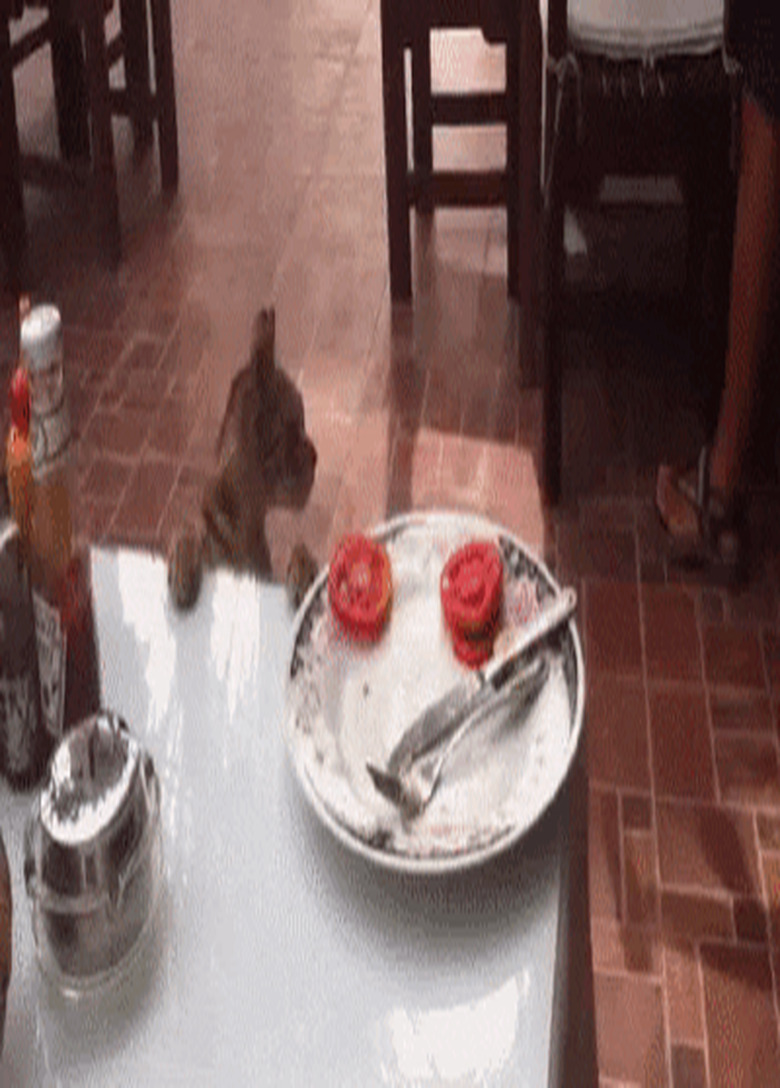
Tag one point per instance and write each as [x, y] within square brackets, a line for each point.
[413, 787]
[472, 699]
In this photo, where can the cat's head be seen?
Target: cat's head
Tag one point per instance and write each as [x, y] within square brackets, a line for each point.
[288, 454]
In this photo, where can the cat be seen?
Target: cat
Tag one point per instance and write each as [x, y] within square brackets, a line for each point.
[265, 459]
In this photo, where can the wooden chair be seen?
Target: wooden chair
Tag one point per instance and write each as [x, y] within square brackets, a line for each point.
[627, 97]
[407, 25]
[82, 58]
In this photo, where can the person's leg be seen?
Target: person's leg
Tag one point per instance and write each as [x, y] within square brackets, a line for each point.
[755, 240]
[716, 480]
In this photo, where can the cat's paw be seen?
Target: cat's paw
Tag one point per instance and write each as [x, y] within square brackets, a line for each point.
[185, 567]
[301, 572]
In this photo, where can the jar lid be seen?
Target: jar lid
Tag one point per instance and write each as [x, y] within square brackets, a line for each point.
[41, 336]
[90, 778]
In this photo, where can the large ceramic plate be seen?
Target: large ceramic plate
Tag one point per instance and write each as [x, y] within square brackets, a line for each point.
[348, 704]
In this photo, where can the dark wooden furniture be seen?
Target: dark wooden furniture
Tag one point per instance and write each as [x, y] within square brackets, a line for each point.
[82, 58]
[667, 110]
[407, 25]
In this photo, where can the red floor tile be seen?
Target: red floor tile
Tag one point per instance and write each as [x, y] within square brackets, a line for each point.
[741, 711]
[707, 847]
[692, 916]
[617, 732]
[684, 991]
[681, 745]
[748, 770]
[621, 948]
[771, 644]
[612, 638]
[742, 1029]
[604, 856]
[733, 656]
[630, 1030]
[689, 1067]
[768, 824]
[640, 863]
[143, 504]
[671, 634]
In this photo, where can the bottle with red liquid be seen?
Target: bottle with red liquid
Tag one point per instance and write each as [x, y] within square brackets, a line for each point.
[24, 744]
[18, 456]
[60, 575]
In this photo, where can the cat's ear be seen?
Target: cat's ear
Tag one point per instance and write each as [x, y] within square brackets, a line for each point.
[263, 344]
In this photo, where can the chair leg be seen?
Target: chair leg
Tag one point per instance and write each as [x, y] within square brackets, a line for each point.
[554, 267]
[70, 89]
[162, 42]
[12, 223]
[513, 48]
[394, 101]
[135, 51]
[530, 66]
[552, 363]
[103, 162]
[422, 116]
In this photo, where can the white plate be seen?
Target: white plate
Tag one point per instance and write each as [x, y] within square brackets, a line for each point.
[348, 704]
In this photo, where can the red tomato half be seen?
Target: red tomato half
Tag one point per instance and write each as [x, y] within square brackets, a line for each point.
[474, 651]
[471, 586]
[360, 586]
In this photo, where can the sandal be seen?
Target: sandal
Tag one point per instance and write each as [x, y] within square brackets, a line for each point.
[705, 529]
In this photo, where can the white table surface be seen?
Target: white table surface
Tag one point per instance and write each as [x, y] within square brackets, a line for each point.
[278, 958]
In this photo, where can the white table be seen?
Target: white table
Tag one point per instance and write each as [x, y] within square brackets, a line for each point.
[277, 957]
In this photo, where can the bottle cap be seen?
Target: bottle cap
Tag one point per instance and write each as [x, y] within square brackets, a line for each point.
[41, 337]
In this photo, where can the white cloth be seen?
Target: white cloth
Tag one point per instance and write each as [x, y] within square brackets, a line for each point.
[642, 29]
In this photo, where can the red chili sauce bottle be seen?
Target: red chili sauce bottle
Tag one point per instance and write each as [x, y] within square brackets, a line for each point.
[68, 664]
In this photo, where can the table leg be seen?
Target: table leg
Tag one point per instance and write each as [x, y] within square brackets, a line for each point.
[394, 100]
[579, 1053]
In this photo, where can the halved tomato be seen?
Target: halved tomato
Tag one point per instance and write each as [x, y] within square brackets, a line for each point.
[360, 586]
[471, 585]
[474, 650]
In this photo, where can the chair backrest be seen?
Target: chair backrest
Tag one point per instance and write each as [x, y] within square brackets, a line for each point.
[628, 30]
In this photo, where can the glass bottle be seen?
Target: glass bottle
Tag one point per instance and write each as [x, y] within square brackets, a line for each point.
[60, 575]
[24, 744]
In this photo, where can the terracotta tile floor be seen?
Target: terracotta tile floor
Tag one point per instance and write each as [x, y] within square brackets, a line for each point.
[282, 197]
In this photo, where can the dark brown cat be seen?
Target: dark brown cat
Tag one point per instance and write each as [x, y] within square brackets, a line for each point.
[264, 459]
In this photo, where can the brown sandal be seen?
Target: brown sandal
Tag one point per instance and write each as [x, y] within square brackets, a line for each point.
[705, 529]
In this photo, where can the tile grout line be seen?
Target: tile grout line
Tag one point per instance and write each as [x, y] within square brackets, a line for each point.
[707, 699]
[179, 460]
[651, 767]
[144, 447]
[770, 937]
[705, 1032]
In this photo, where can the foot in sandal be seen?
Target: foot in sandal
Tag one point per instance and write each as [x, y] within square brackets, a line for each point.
[705, 528]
